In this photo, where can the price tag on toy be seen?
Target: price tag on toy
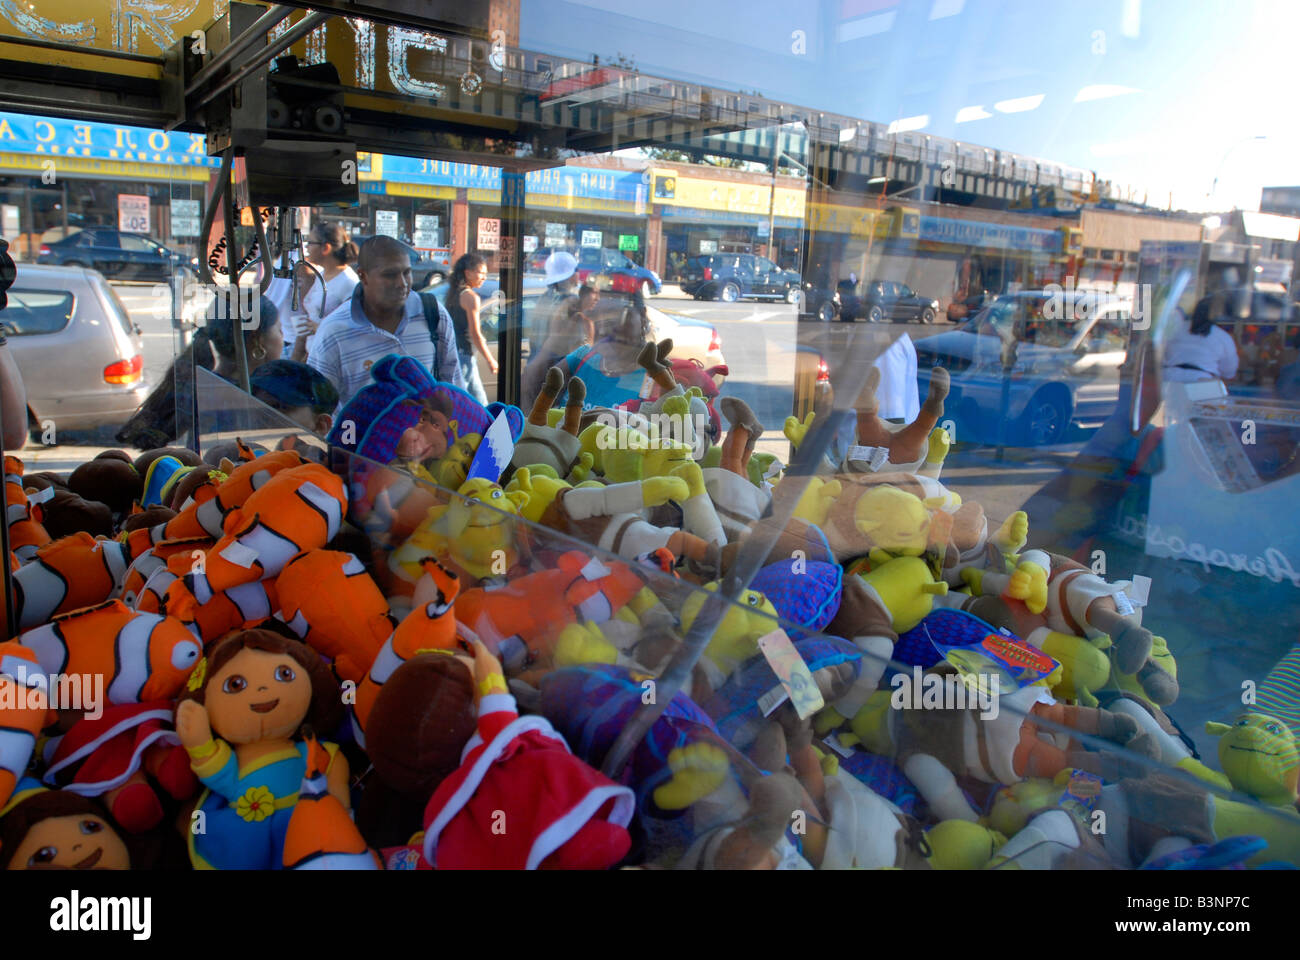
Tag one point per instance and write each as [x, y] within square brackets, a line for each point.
[40, 496]
[1124, 605]
[594, 570]
[874, 457]
[772, 699]
[647, 387]
[793, 673]
[833, 742]
[1140, 590]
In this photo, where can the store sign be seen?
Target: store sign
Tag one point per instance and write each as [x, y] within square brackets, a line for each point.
[556, 232]
[489, 233]
[426, 232]
[506, 253]
[591, 238]
[20, 133]
[132, 213]
[629, 241]
[708, 246]
[185, 218]
[997, 236]
[530, 243]
[386, 223]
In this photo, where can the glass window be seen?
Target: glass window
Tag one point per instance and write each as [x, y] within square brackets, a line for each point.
[36, 312]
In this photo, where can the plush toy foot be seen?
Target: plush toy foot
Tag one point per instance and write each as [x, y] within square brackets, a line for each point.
[550, 390]
[1157, 684]
[573, 406]
[940, 384]
[744, 432]
[653, 358]
[770, 751]
[1029, 584]
[136, 808]
[772, 803]
[1132, 647]
[872, 431]
[698, 769]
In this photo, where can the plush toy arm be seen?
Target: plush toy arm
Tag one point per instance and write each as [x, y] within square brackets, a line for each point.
[586, 502]
[939, 787]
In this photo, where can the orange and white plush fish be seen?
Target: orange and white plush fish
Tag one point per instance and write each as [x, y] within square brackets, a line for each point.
[321, 835]
[332, 604]
[23, 513]
[24, 712]
[431, 625]
[240, 607]
[72, 572]
[141, 656]
[155, 558]
[297, 510]
[206, 514]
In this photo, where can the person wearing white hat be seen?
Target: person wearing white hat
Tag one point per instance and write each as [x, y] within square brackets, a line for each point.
[553, 306]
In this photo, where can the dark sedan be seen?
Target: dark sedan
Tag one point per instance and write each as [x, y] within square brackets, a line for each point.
[117, 255]
[887, 300]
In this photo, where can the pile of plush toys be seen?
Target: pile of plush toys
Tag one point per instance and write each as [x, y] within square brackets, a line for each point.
[422, 655]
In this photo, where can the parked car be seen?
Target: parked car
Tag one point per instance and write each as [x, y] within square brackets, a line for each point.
[613, 269]
[734, 276]
[117, 255]
[428, 267]
[81, 357]
[1061, 368]
[888, 300]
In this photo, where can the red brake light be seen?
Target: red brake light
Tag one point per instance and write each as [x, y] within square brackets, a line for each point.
[44, 251]
[823, 371]
[124, 371]
[708, 273]
[715, 342]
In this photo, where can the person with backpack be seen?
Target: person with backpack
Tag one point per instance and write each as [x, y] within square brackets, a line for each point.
[384, 316]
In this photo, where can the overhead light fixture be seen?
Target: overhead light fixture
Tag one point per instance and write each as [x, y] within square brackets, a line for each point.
[1019, 104]
[977, 112]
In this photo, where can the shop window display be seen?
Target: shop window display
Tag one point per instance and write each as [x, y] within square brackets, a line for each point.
[761, 579]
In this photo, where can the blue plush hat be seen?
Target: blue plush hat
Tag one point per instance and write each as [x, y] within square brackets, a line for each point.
[375, 419]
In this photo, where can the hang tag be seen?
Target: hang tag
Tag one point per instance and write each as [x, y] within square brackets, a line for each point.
[647, 387]
[875, 457]
[594, 570]
[772, 699]
[833, 741]
[773, 468]
[239, 554]
[793, 673]
[1140, 591]
[1124, 605]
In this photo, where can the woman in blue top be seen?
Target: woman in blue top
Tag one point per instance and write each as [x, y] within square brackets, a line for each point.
[609, 366]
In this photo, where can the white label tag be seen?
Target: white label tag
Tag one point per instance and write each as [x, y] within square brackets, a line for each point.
[239, 554]
[594, 570]
[40, 496]
[833, 742]
[785, 661]
[647, 387]
[1123, 605]
[875, 457]
[772, 699]
[773, 468]
[1141, 590]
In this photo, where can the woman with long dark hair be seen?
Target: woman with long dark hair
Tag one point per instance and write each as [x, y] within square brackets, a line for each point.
[467, 275]
[213, 348]
[331, 253]
[1202, 350]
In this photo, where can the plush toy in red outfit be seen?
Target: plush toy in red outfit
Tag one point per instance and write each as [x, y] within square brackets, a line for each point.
[520, 799]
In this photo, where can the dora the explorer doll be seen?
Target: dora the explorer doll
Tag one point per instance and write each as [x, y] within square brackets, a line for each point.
[254, 693]
[54, 829]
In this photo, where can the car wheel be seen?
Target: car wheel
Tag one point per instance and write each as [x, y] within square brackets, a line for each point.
[794, 295]
[927, 316]
[826, 312]
[74, 263]
[729, 293]
[1045, 420]
[875, 315]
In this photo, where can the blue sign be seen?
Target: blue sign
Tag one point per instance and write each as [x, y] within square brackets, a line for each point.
[20, 133]
[696, 215]
[997, 236]
[587, 182]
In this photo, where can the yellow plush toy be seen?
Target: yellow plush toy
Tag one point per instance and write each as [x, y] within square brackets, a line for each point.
[474, 534]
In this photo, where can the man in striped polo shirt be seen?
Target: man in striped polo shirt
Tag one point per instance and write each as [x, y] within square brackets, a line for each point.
[384, 316]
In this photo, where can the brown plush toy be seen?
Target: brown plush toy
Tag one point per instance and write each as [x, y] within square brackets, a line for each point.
[55, 829]
[66, 513]
[415, 734]
[110, 478]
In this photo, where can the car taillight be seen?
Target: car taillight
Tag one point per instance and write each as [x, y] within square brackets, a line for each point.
[124, 371]
[715, 342]
[44, 251]
[823, 371]
[708, 273]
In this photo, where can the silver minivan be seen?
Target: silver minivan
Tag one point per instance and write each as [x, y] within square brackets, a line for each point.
[81, 357]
